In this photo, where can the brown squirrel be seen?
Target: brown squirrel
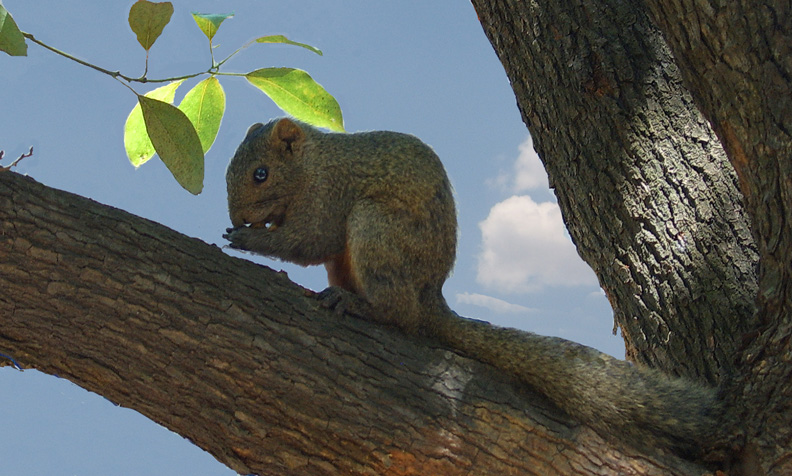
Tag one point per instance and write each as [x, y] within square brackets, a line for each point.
[376, 208]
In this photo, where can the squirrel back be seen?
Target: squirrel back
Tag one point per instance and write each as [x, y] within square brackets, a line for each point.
[376, 208]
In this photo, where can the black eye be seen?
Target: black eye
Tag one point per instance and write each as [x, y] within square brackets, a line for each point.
[260, 174]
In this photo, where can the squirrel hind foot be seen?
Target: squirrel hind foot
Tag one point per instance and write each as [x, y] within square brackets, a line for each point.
[342, 301]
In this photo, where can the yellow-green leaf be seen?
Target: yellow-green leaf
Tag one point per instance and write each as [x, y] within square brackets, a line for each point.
[204, 105]
[11, 39]
[175, 141]
[138, 146]
[284, 40]
[295, 92]
[210, 22]
[147, 19]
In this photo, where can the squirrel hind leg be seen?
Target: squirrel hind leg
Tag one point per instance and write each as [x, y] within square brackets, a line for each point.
[396, 303]
[391, 299]
[382, 309]
[389, 264]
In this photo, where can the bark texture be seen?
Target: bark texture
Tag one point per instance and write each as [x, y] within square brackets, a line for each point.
[643, 183]
[251, 368]
[736, 57]
[613, 120]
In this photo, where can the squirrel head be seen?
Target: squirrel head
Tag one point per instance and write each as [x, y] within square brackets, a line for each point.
[263, 176]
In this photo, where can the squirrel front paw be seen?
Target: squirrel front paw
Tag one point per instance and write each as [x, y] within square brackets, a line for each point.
[241, 237]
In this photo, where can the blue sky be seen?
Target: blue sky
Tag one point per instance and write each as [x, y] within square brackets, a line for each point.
[424, 68]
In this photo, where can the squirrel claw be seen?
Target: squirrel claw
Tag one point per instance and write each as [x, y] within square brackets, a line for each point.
[240, 238]
[228, 233]
[342, 301]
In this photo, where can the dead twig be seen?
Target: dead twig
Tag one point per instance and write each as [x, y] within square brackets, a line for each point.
[2, 154]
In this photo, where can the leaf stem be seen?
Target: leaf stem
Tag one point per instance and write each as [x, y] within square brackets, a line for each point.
[211, 54]
[114, 74]
[235, 52]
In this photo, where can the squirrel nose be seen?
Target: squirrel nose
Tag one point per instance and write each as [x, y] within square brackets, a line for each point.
[237, 218]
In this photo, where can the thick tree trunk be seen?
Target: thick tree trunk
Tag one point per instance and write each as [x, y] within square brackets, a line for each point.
[643, 184]
[736, 57]
[251, 368]
[640, 176]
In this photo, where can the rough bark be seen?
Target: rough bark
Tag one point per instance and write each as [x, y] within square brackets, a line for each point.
[736, 57]
[251, 368]
[619, 132]
[643, 184]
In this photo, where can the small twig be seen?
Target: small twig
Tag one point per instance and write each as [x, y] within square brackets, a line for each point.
[2, 154]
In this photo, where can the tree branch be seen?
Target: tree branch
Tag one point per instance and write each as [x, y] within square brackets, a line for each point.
[734, 57]
[251, 368]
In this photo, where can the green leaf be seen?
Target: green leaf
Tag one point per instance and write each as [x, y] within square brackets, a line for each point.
[295, 92]
[175, 141]
[138, 146]
[284, 40]
[204, 105]
[147, 19]
[210, 22]
[11, 39]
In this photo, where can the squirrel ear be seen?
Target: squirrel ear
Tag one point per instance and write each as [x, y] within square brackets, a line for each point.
[253, 129]
[287, 134]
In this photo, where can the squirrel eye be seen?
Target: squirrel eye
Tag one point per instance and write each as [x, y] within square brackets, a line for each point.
[260, 174]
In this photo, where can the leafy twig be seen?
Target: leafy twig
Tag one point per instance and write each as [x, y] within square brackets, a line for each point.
[114, 74]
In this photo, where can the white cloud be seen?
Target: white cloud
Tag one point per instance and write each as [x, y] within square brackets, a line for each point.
[525, 248]
[597, 294]
[491, 303]
[529, 171]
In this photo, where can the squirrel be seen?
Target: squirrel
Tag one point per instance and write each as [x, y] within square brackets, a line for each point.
[377, 209]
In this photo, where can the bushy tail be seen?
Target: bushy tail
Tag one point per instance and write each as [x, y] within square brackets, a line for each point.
[612, 396]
